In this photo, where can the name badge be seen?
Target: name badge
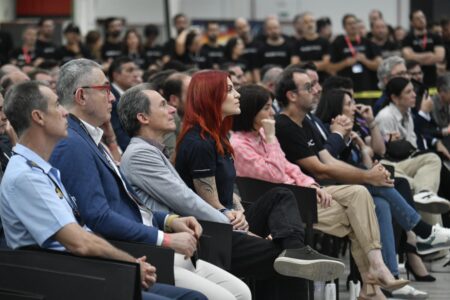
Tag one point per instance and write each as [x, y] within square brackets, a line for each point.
[357, 68]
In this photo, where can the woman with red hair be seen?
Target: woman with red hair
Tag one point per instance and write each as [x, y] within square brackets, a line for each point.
[204, 160]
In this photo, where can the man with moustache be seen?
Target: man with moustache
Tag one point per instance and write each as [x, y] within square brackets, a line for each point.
[212, 50]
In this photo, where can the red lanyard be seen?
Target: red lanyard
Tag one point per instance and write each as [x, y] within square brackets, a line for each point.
[350, 45]
[424, 41]
[26, 55]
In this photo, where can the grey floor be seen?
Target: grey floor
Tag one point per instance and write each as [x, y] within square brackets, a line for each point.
[438, 290]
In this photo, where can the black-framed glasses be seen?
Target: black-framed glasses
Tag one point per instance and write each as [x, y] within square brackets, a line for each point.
[105, 87]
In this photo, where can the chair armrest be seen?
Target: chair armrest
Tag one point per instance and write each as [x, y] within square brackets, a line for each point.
[161, 258]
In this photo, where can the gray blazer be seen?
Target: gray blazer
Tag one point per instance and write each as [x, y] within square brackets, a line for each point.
[158, 184]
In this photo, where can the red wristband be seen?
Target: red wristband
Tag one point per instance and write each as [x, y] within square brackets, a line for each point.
[166, 240]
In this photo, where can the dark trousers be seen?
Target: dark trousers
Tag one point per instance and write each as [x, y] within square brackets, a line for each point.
[160, 291]
[275, 213]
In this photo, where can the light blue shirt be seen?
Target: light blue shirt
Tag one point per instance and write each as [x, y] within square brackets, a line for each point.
[32, 207]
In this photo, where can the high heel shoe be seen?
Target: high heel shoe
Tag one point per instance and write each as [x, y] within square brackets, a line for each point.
[411, 249]
[389, 286]
[426, 278]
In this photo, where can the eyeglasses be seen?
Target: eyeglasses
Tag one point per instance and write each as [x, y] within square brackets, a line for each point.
[105, 87]
[307, 88]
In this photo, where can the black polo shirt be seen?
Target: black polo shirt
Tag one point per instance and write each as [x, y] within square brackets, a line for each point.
[197, 158]
[421, 44]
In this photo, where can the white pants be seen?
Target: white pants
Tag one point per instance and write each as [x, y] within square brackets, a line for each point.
[212, 281]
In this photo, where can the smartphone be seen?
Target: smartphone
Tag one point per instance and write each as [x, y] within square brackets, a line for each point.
[391, 170]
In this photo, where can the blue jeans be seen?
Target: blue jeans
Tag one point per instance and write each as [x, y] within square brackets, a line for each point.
[160, 291]
[389, 203]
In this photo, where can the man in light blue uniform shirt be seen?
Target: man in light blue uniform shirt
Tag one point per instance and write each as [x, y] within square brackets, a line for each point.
[34, 205]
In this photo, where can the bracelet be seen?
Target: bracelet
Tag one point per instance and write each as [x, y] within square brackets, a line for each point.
[169, 221]
[166, 240]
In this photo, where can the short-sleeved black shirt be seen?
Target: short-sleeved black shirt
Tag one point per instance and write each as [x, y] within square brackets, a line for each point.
[275, 55]
[340, 50]
[297, 142]
[447, 54]
[416, 43]
[64, 55]
[152, 55]
[110, 50]
[213, 55]
[19, 55]
[198, 158]
[312, 50]
[46, 50]
[250, 54]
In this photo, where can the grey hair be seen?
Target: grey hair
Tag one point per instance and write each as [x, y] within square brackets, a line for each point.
[385, 68]
[74, 74]
[271, 75]
[20, 100]
[443, 83]
[132, 102]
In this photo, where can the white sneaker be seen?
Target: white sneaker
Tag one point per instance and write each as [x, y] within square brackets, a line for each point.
[438, 240]
[430, 202]
[439, 266]
[409, 292]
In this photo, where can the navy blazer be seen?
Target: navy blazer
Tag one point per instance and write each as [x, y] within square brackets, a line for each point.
[102, 200]
[334, 143]
[123, 139]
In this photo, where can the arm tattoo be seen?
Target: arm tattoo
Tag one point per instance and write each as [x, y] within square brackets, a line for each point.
[206, 188]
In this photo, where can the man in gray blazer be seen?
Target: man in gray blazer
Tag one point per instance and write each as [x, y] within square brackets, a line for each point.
[147, 117]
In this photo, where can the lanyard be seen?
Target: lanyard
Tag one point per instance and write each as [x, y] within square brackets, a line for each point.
[69, 199]
[26, 55]
[350, 45]
[424, 41]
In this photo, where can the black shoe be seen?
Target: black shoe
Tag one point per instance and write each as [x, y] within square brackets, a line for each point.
[308, 264]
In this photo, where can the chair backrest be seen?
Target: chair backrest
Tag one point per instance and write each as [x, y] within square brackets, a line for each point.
[215, 244]
[251, 189]
[59, 275]
[161, 258]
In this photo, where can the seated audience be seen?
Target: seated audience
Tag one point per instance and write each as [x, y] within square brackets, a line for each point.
[35, 207]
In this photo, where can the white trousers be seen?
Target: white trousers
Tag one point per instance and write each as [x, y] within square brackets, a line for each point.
[212, 281]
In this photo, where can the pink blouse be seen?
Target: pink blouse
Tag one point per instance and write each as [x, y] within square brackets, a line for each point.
[254, 158]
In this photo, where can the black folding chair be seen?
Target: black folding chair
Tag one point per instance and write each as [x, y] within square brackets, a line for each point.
[59, 275]
[215, 244]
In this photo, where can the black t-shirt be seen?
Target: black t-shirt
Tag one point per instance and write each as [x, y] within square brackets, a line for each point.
[297, 142]
[312, 50]
[417, 43]
[46, 50]
[198, 158]
[389, 49]
[111, 50]
[250, 54]
[169, 47]
[19, 55]
[152, 55]
[213, 55]
[340, 50]
[275, 55]
[138, 59]
[64, 55]
[6, 46]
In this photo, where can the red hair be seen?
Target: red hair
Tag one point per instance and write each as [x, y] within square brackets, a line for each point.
[206, 93]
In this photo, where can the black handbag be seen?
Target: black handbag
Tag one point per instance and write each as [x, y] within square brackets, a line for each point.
[399, 150]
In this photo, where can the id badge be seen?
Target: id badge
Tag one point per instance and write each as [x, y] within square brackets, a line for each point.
[357, 68]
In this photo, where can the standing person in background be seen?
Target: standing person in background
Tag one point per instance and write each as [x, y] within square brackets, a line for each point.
[25, 54]
[112, 47]
[212, 50]
[380, 37]
[311, 47]
[423, 46]
[73, 48]
[45, 48]
[181, 23]
[93, 42]
[250, 54]
[132, 47]
[153, 52]
[354, 56]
